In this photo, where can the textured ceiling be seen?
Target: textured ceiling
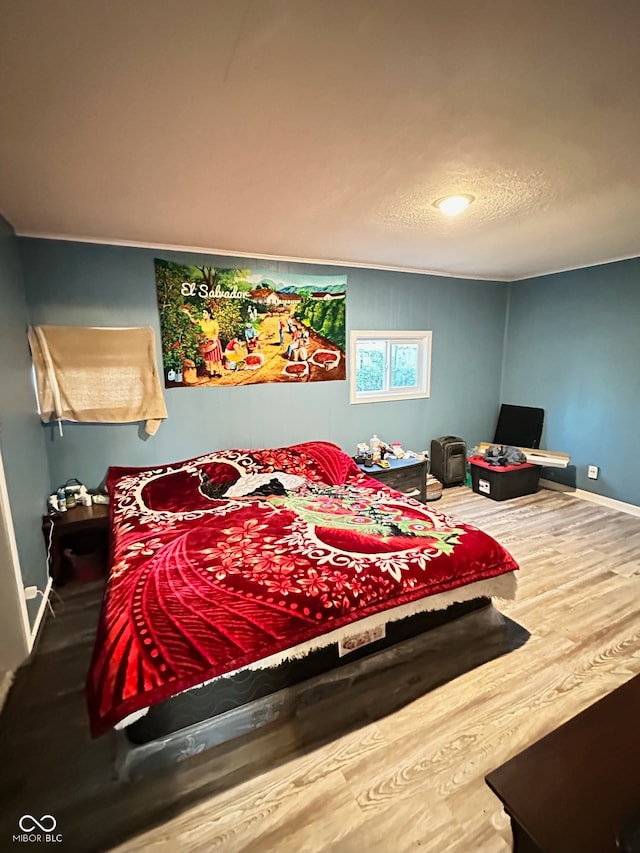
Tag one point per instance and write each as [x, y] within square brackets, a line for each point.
[324, 129]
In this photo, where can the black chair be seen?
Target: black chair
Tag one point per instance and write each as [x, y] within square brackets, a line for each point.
[519, 426]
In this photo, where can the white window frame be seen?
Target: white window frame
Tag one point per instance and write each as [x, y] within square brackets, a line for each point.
[423, 387]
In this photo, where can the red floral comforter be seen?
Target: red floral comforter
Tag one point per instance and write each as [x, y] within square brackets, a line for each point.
[201, 584]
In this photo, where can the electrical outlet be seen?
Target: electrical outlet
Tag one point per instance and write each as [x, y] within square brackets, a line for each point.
[592, 473]
[30, 592]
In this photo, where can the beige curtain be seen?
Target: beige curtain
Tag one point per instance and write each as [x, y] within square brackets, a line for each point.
[97, 375]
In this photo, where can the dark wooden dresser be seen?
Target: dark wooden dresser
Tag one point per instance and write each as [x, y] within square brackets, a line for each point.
[577, 789]
[408, 476]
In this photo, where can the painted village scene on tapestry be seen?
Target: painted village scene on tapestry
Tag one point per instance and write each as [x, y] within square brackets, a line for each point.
[242, 326]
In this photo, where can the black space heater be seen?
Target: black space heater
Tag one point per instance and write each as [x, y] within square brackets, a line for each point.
[449, 460]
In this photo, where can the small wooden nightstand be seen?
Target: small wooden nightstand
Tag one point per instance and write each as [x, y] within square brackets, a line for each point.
[408, 476]
[82, 527]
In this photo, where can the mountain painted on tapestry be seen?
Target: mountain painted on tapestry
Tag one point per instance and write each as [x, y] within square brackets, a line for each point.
[331, 288]
[290, 288]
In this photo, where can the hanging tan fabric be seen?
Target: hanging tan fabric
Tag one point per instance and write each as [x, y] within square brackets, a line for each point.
[97, 375]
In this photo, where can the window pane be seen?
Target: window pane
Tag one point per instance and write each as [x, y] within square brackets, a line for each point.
[386, 366]
[404, 365]
[370, 368]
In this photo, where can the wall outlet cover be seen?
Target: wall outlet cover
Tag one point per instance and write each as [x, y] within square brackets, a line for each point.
[592, 473]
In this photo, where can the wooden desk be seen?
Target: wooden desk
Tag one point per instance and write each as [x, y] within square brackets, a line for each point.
[80, 526]
[573, 791]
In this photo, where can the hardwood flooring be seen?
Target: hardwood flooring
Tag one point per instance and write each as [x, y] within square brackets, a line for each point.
[411, 781]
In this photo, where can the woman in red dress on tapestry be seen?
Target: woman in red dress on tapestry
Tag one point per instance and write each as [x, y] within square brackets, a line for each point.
[211, 348]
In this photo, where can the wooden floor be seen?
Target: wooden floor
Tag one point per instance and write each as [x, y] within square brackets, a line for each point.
[412, 781]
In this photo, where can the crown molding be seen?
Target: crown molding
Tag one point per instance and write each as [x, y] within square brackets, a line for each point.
[227, 253]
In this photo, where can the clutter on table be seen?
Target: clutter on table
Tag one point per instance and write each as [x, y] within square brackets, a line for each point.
[72, 493]
[377, 452]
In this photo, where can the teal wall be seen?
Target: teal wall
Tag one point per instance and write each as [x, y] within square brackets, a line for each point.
[570, 343]
[88, 284]
[21, 435]
[573, 347]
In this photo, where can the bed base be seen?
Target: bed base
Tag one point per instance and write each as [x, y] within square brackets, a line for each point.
[339, 700]
[225, 693]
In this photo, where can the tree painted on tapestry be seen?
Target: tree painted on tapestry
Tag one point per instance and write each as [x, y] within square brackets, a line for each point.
[243, 327]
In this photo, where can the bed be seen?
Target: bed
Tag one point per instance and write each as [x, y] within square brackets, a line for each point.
[240, 573]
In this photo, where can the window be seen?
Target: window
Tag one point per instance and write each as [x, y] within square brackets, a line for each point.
[389, 366]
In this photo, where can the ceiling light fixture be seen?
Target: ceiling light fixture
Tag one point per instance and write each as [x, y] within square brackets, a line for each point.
[452, 205]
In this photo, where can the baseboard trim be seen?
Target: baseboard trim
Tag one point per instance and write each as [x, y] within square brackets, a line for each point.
[620, 506]
[40, 614]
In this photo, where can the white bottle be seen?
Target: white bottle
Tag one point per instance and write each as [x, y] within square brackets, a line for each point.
[374, 444]
[62, 499]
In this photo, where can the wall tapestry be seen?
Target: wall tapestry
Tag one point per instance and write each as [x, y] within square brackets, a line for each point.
[243, 327]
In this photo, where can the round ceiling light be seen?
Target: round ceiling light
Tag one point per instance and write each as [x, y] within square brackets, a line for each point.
[452, 205]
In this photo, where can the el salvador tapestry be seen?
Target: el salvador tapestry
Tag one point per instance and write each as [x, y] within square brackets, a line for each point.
[249, 326]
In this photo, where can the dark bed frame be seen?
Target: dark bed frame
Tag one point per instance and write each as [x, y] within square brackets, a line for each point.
[418, 654]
